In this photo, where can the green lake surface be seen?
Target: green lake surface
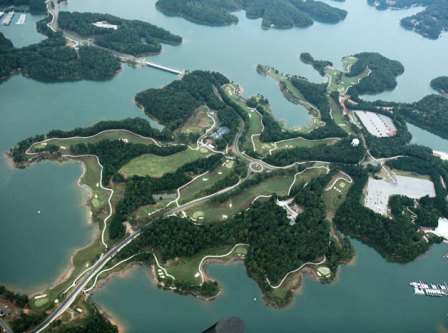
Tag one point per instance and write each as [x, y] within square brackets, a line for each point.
[371, 296]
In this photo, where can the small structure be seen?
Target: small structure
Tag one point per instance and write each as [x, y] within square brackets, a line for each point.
[220, 133]
[4, 310]
[355, 142]
[292, 210]
[105, 25]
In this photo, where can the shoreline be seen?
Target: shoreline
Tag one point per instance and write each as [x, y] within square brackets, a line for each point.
[9, 161]
[69, 269]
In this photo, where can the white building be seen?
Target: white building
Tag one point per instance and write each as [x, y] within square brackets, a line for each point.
[355, 142]
[105, 25]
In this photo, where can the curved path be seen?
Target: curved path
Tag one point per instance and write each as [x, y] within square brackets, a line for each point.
[216, 257]
[349, 180]
[295, 271]
[104, 271]
[299, 173]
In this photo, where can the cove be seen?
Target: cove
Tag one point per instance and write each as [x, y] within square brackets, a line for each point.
[371, 295]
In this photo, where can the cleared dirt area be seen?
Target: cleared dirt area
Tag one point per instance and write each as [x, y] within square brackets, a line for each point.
[380, 190]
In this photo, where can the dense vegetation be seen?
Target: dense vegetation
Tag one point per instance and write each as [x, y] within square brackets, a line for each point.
[279, 13]
[429, 209]
[382, 77]
[398, 239]
[431, 112]
[114, 154]
[176, 102]
[276, 246]
[93, 323]
[318, 65]
[429, 23]
[136, 125]
[35, 5]
[341, 152]
[51, 60]
[18, 299]
[140, 190]
[27, 321]
[132, 36]
[440, 84]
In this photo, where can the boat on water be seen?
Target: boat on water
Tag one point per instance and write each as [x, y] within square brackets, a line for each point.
[430, 289]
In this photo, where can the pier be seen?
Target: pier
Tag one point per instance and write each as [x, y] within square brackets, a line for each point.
[21, 19]
[8, 18]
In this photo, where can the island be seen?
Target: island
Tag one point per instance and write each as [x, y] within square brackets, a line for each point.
[32, 5]
[110, 32]
[225, 181]
[430, 23]
[283, 14]
[82, 46]
[440, 84]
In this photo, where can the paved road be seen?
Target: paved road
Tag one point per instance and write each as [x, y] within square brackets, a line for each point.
[83, 283]
[5, 326]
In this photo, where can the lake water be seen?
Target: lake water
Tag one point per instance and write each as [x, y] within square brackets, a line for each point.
[371, 296]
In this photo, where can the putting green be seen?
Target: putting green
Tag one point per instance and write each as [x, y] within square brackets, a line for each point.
[342, 185]
[325, 271]
[95, 203]
[41, 302]
[203, 150]
[229, 165]
[198, 214]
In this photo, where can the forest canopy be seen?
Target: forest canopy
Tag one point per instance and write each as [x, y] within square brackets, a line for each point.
[131, 36]
[50, 60]
[430, 23]
[383, 75]
[277, 13]
[175, 103]
[440, 84]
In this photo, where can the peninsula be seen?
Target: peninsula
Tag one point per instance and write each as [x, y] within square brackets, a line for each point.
[226, 181]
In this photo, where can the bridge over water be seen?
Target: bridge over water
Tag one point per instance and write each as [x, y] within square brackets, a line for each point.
[143, 62]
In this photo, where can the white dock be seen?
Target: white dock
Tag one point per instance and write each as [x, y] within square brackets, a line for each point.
[21, 19]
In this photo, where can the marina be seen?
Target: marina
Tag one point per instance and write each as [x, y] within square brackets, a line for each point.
[21, 19]
[8, 18]
[430, 289]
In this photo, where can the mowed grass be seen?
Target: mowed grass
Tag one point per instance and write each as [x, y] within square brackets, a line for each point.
[221, 211]
[340, 82]
[303, 143]
[65, 144]
[156, 166]
[185, 269]
[195, 189]
[338, 116]
[91, 178]
[255, 128]
[336, 196]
